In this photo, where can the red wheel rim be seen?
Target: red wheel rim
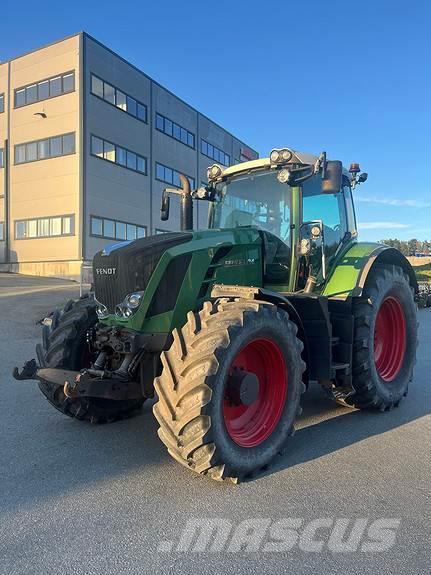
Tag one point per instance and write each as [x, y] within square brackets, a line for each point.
[250, 425]
[389, 339]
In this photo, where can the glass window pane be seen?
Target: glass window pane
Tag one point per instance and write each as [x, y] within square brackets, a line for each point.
[1, 103]
[109, 229]
[109, 151]
[43, 227]
[168, 175]
[160, 172]
[67, 225]
[1, 158]
[109, 93]
[43, 149]
[210, 151]
[131, 232]
[31, 94]
[20, 230]
[184, 136]
[43, 90]
[140, 232]
[141, 165]
[121, 100]
[177, 132]
[1, 231]
[20, 97]
[55, 86]
[56, 146]
[55, 227]
[20, 154]
[159, 122]
[121, 157]
[97, 86]
[68, 144]
[131, 105]
[142, 112]
[191, 140]
[168, 127]
[32, 229]
[131, 160]
[96, 226]
[120, 230]
[69, 82]
[176, 179]
[31, 152]
[192, 182]
[97, 146]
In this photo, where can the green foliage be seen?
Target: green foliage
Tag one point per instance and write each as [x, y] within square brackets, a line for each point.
[409, 247]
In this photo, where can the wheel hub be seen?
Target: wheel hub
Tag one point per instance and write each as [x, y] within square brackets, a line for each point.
[242, 387]
[255, 392]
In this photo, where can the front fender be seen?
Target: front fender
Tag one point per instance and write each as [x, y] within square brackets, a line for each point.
[352, 268]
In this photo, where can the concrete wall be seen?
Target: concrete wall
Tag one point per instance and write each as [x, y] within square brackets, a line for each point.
[48, 187]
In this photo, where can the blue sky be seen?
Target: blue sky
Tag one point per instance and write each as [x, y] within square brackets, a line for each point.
[350, 78]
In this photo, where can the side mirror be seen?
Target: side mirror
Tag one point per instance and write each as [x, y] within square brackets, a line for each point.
[333, 173]
[363, 178]
[164, 208]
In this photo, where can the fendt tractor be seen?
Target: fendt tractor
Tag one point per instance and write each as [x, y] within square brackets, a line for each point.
[228, 326]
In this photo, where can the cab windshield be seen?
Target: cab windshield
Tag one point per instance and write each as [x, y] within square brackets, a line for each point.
[253, 200]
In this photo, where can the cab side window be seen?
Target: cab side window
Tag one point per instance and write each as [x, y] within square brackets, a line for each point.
[326, 207]
[351, 218]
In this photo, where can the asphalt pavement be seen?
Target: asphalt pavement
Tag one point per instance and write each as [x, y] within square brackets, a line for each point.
[77, 498]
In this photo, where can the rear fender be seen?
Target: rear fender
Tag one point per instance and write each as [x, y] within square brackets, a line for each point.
[350, 272]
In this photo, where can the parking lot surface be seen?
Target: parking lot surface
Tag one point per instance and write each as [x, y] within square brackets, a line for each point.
[81, 498]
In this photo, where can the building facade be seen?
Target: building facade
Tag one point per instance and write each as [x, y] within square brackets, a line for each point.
[87, 144]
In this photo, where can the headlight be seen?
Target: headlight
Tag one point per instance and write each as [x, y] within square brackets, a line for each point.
[134, 299]
[129, 305]
[281, 156]
[214, 172]
[101, 310]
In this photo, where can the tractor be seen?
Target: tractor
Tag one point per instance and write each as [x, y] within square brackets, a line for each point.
[228, 326]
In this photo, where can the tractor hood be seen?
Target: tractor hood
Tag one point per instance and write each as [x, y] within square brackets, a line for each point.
[126, 267]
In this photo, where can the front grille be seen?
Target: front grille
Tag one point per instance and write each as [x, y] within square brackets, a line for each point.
[128, 268]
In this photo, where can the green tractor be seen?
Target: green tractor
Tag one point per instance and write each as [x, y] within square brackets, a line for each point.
[229, 325]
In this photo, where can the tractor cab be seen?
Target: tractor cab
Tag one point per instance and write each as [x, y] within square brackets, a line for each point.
[301, 204]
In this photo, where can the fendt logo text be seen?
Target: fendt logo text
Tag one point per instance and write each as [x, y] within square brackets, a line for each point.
[106, 271]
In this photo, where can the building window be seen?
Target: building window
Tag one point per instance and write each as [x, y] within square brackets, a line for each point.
[52, 226]
[174, 130]
[118, 98]
[215, 153]
[49, 88]
[170, 176]
[1, 158]
[1, 103]
[62, 145]
[116, 230]
[1, 231]
[118, 155]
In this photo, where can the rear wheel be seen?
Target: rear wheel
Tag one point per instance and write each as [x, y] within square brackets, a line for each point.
[385, 339]
[230, 388]
[64, 345]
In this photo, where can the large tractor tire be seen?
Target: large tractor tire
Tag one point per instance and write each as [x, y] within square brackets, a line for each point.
[64, 346]
[385, 340]
[230, 388]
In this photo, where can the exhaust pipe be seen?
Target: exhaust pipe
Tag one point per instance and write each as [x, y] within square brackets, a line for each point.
[186, 206]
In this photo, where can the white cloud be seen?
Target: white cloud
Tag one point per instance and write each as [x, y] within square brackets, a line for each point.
[393, 202]
[382, 225]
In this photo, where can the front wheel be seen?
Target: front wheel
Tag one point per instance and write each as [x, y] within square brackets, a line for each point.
[385, 340]
[230, 388]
